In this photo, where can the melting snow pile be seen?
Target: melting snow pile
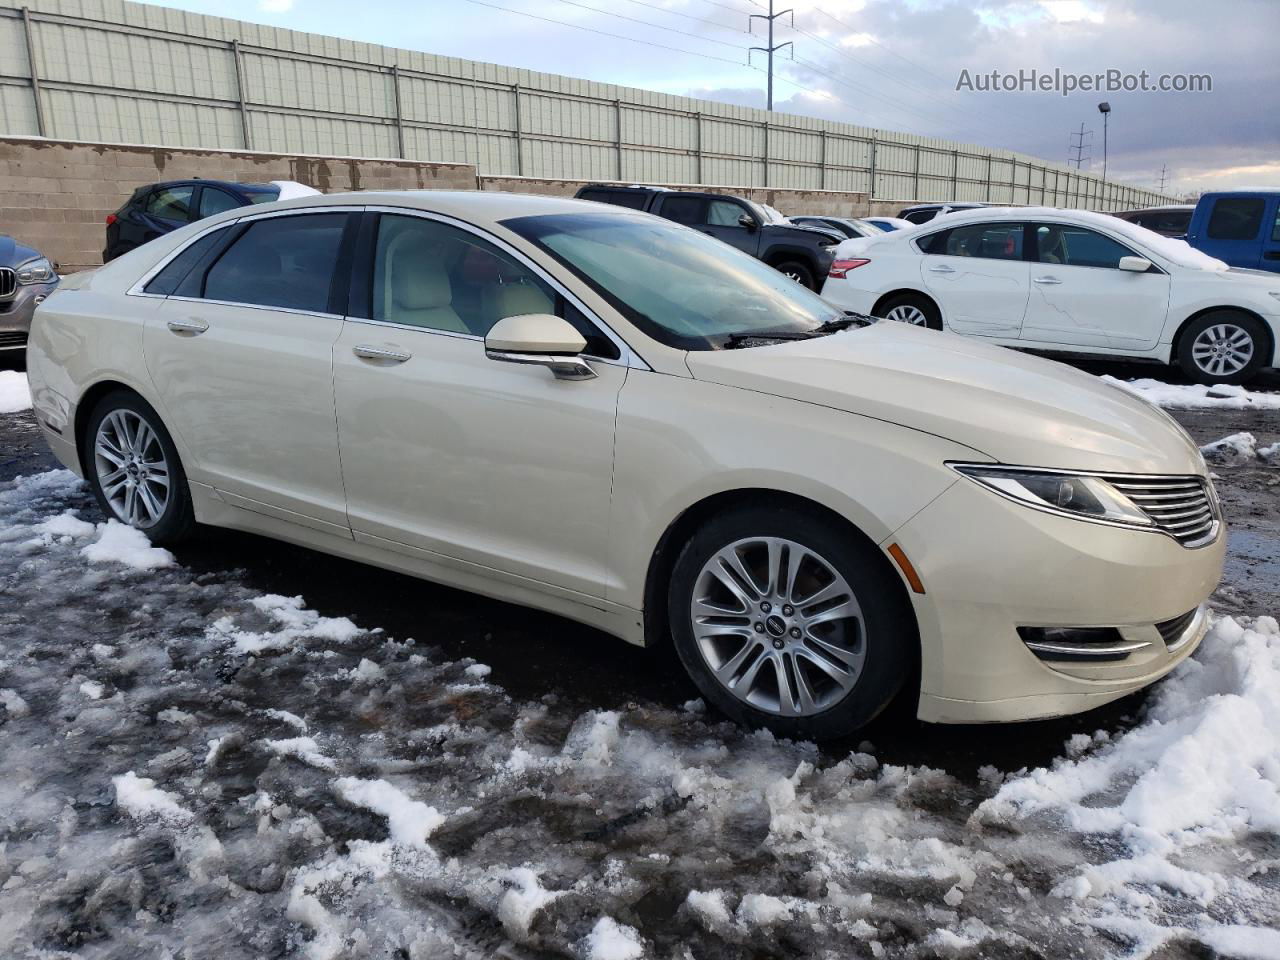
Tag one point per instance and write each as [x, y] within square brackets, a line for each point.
[1240, 449]
[188, 761]
[1193, 396]
[15, 395]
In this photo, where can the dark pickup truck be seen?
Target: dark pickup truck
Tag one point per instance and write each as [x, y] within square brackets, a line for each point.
[803, 253]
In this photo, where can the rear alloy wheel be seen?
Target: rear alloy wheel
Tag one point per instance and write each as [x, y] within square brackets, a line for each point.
[911, 308]
[133, 468]
[1222, 347]
[785, 623]
[798, 272]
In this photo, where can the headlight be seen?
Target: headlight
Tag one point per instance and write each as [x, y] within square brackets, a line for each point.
[1073, 495]
[39, 270]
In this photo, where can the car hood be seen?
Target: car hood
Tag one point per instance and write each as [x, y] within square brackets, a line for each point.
[804, 230]
[13, 254]
[1014, 408]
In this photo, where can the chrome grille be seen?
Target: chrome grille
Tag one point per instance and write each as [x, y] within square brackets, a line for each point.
[8, 281]
[1181, 506]
[1171, 631]
[12, 339]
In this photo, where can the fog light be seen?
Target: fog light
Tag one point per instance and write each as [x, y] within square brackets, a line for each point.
[1079, 643]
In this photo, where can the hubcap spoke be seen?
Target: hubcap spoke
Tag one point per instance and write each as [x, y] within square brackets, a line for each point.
[131, 468]
[754, 611]
[1223, 350]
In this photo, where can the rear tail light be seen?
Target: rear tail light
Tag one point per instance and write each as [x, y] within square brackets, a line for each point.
[841, 268]
[111, 218]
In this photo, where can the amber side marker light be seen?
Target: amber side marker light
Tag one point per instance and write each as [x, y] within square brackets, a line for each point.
[908, 570]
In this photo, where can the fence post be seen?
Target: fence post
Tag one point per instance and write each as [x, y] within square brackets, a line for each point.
[244, 112]
[871, 190]
[765, 125]
[395, 87]
[987, 195]
[515, 92]
[955, 174]
[617, 127]
[822, 159]
[697, 119]
[41, 128]
[915, 177]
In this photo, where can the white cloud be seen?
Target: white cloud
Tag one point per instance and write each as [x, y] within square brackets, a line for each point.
[1070, 11]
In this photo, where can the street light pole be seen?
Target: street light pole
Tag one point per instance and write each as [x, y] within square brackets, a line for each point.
[1104, 108]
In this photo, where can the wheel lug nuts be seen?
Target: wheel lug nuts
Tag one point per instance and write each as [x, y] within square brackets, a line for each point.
[759, 628]
[787, 610]
[795, 633]
[766, 607]
[777, 644]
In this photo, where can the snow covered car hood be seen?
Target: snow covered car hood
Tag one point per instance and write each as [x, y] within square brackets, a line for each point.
[1012, 407]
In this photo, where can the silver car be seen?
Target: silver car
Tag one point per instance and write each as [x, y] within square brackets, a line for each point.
[26, 278]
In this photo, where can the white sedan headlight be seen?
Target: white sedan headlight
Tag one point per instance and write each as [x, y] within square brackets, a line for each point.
[1073, 495]
[39, 270]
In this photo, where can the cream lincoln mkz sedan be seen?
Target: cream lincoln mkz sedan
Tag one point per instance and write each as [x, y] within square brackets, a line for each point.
[616, 418]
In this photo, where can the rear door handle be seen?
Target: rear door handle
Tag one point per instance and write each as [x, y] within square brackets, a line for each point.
[1271, 255]
[193, 326]
[943, 268]
[1047, 280]
[365, 352]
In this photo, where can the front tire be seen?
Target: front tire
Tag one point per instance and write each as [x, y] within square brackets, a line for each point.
[133, 467]
[787, 622]
[1222, 347]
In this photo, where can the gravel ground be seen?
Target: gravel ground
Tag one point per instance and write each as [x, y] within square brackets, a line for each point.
[253, 750]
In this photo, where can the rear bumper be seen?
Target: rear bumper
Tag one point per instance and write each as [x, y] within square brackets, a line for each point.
[990, 566]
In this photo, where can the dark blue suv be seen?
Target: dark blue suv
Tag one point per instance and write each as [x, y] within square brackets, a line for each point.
[1239, 227]
[160, 208]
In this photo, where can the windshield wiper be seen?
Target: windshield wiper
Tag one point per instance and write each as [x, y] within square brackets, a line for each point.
[733, 340]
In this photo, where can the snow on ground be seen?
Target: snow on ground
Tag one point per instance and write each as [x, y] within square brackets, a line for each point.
[194, 769]
[1193, 396]
[14, 393]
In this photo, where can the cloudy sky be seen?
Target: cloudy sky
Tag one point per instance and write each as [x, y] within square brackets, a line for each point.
[893, 64]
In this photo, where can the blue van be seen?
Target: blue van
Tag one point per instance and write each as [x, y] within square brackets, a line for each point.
[1240, 227]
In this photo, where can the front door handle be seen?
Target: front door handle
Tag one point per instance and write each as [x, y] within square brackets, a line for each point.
[1271, 255]
[1049, 280]
[194, 326]
[943, 268]
[365, 352]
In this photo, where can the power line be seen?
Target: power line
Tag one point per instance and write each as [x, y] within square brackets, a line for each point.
[689, 16]
[887, 49]
[650, 23]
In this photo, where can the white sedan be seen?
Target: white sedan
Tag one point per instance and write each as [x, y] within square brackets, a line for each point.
[1071, 281]
[610, 416]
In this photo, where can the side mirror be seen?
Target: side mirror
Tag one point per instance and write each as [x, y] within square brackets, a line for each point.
[748, 221]
[542, 340]
[1134, 264]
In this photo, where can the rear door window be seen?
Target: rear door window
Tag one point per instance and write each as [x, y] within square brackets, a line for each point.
[690, 211]
[987, 241]
[171, 203]
[921, 216]
[633, 200]
[213, 200]
[167, 280]
[1236, 218]
[286, 262]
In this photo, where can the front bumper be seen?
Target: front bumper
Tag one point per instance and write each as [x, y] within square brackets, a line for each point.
[16, 312]
[989, 566]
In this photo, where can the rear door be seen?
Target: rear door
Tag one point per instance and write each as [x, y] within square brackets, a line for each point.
[164, 210]
[1270, 259]
[1081, 297]
[977, 273]
[241, 355]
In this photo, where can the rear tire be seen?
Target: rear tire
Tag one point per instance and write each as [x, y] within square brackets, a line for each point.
[797, 271]
[1223, 347]
[831, 622]
[913, 308]
[133, 467]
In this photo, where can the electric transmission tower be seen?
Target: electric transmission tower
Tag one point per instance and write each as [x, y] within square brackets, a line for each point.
[1163, 168]
[1078, 143]
[769, 18]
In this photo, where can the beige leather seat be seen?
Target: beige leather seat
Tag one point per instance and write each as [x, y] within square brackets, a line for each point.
[417, 290]
[514, 299]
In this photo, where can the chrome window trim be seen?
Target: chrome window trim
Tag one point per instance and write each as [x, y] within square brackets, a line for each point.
[253, 306]
[627, 356]
[1210, 497]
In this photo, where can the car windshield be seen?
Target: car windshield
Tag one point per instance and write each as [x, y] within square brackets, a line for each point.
[677, 285]
[260, 192]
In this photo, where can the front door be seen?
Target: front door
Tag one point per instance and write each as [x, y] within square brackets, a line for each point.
[448, 453]
[977, 273]
[724, 222]
[1081, 297]
[241, 356]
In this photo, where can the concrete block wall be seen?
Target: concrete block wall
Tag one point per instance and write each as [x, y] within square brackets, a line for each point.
[55, 195]
[833, 203]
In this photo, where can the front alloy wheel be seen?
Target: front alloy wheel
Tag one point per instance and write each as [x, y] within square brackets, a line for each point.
[1223, 346]
[908, 313]
[1222, 350]
[779, 626]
